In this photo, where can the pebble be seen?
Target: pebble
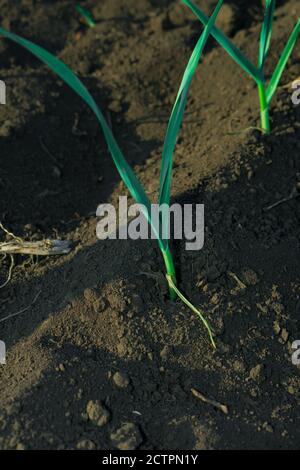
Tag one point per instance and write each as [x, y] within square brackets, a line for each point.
[165, 352]
[20, 446]
[215, 299]
[238, 366]
[121, 379]
[276, 327]
[97, 413]
[86, 444]
[127, 437]
[256, 373]
[284, 335]
[267, 427]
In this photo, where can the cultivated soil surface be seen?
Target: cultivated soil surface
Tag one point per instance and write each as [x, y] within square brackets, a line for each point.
[97, 356]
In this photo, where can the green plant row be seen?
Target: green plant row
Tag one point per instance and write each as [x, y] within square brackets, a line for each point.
[257, 73]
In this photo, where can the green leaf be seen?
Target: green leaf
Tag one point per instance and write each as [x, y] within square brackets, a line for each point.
[266, 33]
[178, 111]
[65, 73]
[272, 87]
[229, 47]
[86, 15]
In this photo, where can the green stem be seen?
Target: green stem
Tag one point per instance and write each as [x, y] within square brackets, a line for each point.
[174, 292]
[169, 263]
[194, 309]
[264, 109]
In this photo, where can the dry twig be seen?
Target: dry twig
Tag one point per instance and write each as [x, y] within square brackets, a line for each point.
[214, 403]
[40, 248]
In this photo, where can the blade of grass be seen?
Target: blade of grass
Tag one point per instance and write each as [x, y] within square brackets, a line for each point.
[266, 33]
[176, 117]
[229, 47]
[272, 87]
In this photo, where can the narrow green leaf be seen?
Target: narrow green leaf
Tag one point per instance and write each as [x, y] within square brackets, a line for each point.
[229, 47]
[178, 111]
[65, 73]
[272, 87]
[86, 15]
[266, 33]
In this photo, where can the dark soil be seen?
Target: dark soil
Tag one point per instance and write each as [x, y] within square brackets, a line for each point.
[102, 359]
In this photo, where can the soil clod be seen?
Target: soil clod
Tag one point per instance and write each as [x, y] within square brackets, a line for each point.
[97, 413]
[127, 437]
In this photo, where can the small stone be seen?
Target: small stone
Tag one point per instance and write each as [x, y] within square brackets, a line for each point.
[238, 366]
[121, 379]
[115, 106]
[128, 437]
[20, 446]
[124, 348]
[61, 367]
[165, 352]
[250, 174]
[276, 327]
[256, 373]
[86, 444]
[150, 356]
[215, 299]
[284, 335]
[267, 427]
[97, 413]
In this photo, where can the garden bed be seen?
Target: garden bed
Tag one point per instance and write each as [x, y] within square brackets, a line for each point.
[96, 326]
